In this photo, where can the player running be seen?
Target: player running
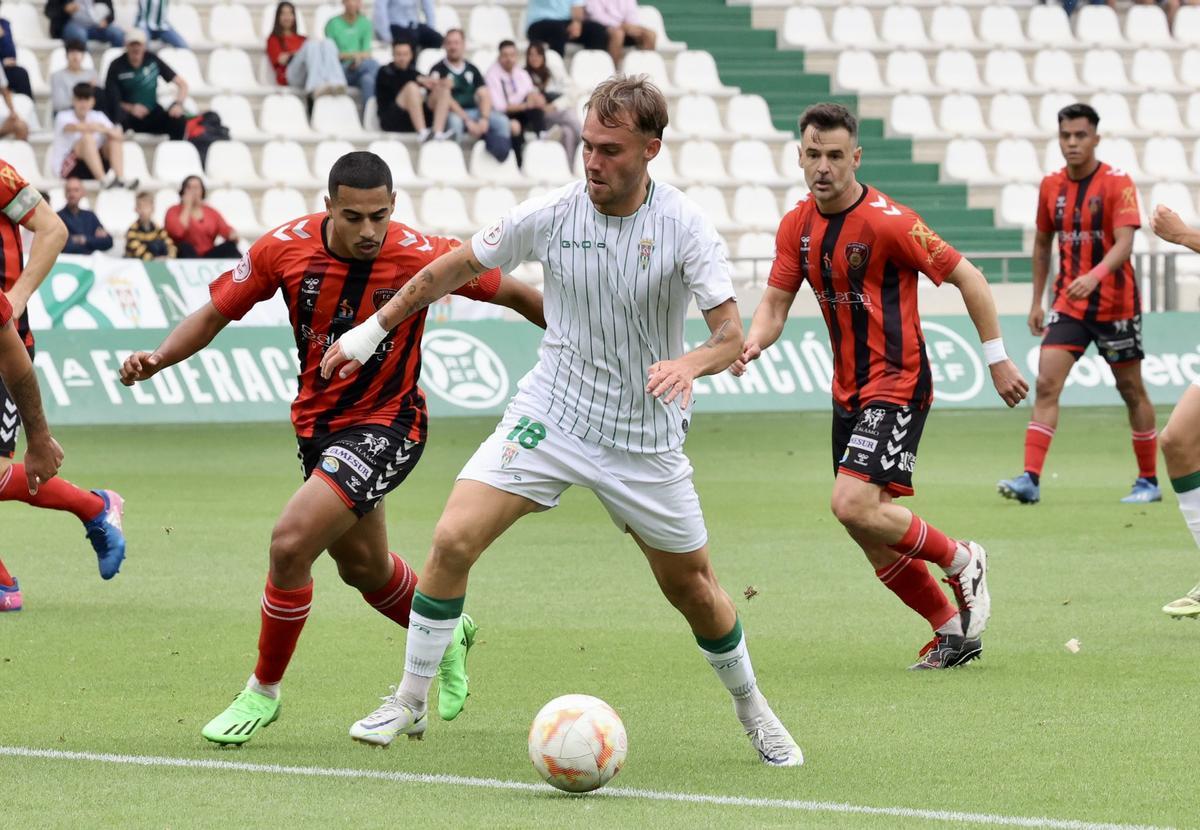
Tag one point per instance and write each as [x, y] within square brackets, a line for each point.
[1181, 435]
[607, 405]
[1094, 209]
[358, 438]
[99, 510]
[860, 251]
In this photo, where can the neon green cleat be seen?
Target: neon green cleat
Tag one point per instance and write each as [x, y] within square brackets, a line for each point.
[1188, 606]
[452, 673]
[248, 713]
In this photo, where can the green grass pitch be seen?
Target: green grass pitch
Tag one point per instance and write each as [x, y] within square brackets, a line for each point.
[136, 666]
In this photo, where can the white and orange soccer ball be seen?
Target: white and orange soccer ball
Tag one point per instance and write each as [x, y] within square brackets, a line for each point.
[577, 743]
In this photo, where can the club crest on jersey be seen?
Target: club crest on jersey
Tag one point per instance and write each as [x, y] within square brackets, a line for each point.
[1094, 205]
[241, 271]
[645, 249]
[857, 254]
[508, 454]
[380, 297]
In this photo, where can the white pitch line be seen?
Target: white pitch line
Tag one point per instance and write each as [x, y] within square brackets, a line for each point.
[950, 816]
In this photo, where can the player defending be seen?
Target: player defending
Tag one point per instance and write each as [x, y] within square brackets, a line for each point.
[861, 252]
[606, 407]
[360, 438]
[1094, 209]
[1181, 435]
[99, 510]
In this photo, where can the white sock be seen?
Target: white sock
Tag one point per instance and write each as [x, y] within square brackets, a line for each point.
[1189, 506]
[952, 626]
[737, 674]
[428, 640]
[270, 690]
[962, 555]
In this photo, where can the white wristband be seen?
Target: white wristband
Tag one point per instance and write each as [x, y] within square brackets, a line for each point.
[361, 341]
[993, 351]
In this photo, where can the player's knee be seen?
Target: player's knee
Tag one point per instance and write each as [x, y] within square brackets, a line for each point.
[691, 592]
[1048, 389]
[854, 513]
[454, 547]
[359, 574]
[1130, 390]
[288, 548]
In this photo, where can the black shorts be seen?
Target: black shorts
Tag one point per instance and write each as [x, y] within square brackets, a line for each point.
[878, 443]
[1118, 341]
[362, 464]
[10, 421]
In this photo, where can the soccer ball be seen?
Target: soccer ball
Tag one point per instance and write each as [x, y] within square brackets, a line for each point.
[577, 743]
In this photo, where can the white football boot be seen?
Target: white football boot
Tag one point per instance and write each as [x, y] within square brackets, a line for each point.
[391, 720]
[971, 590]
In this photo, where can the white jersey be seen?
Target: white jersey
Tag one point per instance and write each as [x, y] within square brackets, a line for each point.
[617, 290]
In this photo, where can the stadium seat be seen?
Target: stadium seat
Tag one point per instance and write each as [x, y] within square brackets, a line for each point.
[1158, 114]
[966, 161]
[1193, 111]
[109, 55]
[858, 71]
[185, 19]
[789, 163]
[1114, 113]
[546, 162]
[1049, 26]
[21, 156]
[283, 115]
[589, 67]
[284, 163]
[908, 71]
[237, 116]
[697, 72]
[1147, 26]
[1154, 69]
[700, 161]
[749, 116]
[1054, 69]
[1196, 157]
[164, 198]
[229, 164]
[712, 203]
[1001, 26]
[398, 160]
[370, 118]
[28, 25]
[1048, 109]
[1018, 206]
[25, 108]
[1119, 153]
[912, 115]
[29, 61]
[1052, 158]
[230, 70]
[337, 115]
[641, 62]
[1166, 160]
[447, 18]
[854, 26]
[484, 58]
[488, 25]
[234, 204]
[951, 26]
[1017, 161]
[961, 115]
[750, 162]
[793, 195]
[184, 62]
[443, 209]
[1189, 68]
[1105, 69]
[1010, 115]
[58, 60]
[957, 71]
[485, 168]
[1005, 69]
[1098, 26]
[328, 152]
[1187, 25]
[662, 167]
[231, 25]
[804, 28]
[490, 204]
[651, 18]
[902, 27]
[327, 11]
[282, 204]
[442, 162]
[115, 209]
[697, 116]
[754, 252]
[176, 160]
[1178, 197]
[426, 59]
[135, 164]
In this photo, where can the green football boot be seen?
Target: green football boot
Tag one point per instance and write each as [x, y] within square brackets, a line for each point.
[452, 673]
[248, 713]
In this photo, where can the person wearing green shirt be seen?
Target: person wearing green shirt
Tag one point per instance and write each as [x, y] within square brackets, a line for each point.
[352, 32]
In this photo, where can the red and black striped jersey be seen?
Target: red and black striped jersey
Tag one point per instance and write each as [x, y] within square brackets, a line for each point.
[18, 199]
[326, 297]
[5, 310]
[862, 264]
[1084, 213]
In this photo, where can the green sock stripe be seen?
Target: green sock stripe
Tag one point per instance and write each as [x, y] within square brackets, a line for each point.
[438, 609]
[1188, 482]
[723, 644]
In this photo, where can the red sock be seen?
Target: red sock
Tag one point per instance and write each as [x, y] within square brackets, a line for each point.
[55, 494]
[1037, 444]
[1145, 447]
[283, 616]
[5, 577]
[394, 600]
[921, 541]
[910, 580]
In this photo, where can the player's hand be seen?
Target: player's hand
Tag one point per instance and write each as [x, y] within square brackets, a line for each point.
[1037, 321]
[1082, 286]
[140, 366]
[1167, 225]
[18, 303]
[750, 352]
[671, 379]
[42, 460]
[335, 357]
[574, 29]
[1011, 386]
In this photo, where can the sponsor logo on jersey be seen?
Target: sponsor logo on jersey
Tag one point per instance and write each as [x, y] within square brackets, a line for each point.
[330, 465]
[345, 311]
[1129, 199]
[870, 420]
[845, 455]
[861, 458]
[863, 443]
[372, 445]
[586, 244]
[351, 460]
[1080, 236]
[908, 460]
[241, 271]
[857, 254]
[310, 285]
[843, 298]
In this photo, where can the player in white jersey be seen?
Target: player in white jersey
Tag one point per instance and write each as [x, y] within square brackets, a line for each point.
[607, 405]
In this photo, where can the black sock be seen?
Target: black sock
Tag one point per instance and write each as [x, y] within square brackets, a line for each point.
[1152, 479]
[1034, 477]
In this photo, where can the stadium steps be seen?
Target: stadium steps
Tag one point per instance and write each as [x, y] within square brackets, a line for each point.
[749, 58]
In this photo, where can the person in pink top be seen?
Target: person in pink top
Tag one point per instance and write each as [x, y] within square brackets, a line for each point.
[195, 226]
[514, 94]
[621, 20]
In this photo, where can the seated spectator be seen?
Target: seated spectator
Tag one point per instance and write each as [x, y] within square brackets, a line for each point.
[145, 239]
[195, 226]
[620, 18]
[131, 91]
[397, 20]
[351, 33]
[513, 93]
[302, 63]
[470, 104]
[18, 77]
[64, 81]
[558, 22]
[86, 143]
[153, 19]
[13, 125]
[85, 234]
[83, 20]
[554, 86]
[409, 101]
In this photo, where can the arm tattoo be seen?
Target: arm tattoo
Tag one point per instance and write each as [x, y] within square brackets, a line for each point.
[29, 403]
[718, 337]
[475, 267]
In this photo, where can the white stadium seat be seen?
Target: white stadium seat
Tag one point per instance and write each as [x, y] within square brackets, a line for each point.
[1166, 160]
[110, 54]
[1017, 161]
[651, 18]
[712, 203]
[641, 62]
[902, 26]
[327, 11]
[229, 164]
[1018, 205]
[546, 162]
[951, 26]
[908, 71]
[793, 195]
[804, 27]
[21, 156]
[700, 161]
[912, 115]
[398, 160]
[1001, 26]
[759, 246]
[1052, 157]
[184, 62]
[234, 204]
[961, 115]
[337, 115]
[854, 26]
[1105, 69]
[230, 70]
[697, 116]
[176, 160]
[442, 162]
[1115, 116]
[185, 19]
[135, 164]
[1048, 109]
[403, 211]
[30, 63]
[1098, 26]
[858, 71]
[1005, 69]
[1189, 67]
[1049, 26]
[662, 167]
[164, 198]
[1054, 69]
[1193, 111]
[1147, 26]
[485, 168]
[443, 209]
[237, 116]
[589, 67]
[755, 207]
[284, 163]
[956, 70]
[283, 115]
[488, 25]
[1178, 197]
[749, 116]
[328, 152]
[115, 209]
[231, 25]
[1010, 115]
[1119, 153]
[58, 60]
[447, 17]
[28, 25]
[282, 204]
[490, 204]
[1157, 113]
[1187, 25]
[426, 59]
[697, 72]
[1154, 69]
[750, 161]
[966, 161]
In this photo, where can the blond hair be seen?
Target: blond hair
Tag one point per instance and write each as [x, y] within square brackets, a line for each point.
[633, 99]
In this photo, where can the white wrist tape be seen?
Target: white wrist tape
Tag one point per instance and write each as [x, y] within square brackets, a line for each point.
[993, 351]
[361, 341]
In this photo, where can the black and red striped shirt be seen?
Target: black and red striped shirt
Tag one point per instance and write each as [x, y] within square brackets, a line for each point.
[1084, 214]
[5, 310]
[862, 264]
[326, 297]
[18, 199]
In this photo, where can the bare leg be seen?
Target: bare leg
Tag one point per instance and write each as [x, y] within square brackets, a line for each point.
[85, 150]
[1053, 367]
[114, 151]
[411, 101]
[1133, 392]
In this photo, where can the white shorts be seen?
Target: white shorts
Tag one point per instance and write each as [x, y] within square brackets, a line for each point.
[649, 494]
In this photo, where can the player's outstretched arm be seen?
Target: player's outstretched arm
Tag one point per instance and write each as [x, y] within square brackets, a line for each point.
[437, 279]
[977, 297]
[192, 334]
[49, 237]
[1167, 225]
[521, 298]
[769, 319]
[43, 455]
[671, 379]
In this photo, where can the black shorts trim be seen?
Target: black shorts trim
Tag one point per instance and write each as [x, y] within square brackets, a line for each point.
[1118, 341]
[361, 464]
[878, 443]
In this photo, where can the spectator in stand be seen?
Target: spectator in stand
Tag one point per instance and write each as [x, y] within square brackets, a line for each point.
[145, 239]
[85, 234]
[555, 87]
[513, 93]
[558, 22]
[13, 125]
[470, 104]
[153, 19]
[83, 20]
[302, 63]
[620, 18]
[351, 32]
[131, 91]
[398, 20]
[87, 145]
[64, 81]
[409, 101]
[195, 227]
[18, 78]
